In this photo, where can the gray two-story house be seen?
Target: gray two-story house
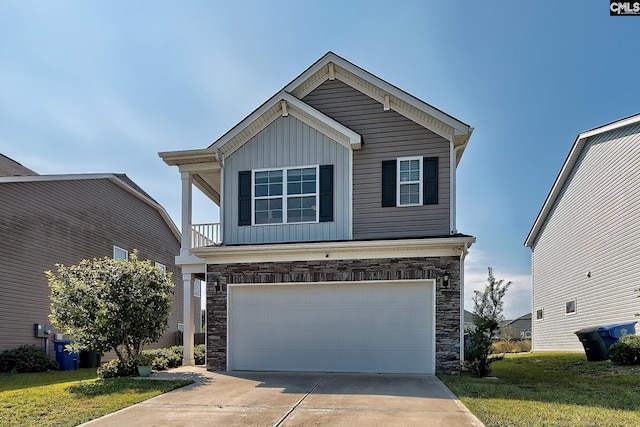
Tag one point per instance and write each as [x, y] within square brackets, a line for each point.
[337, 248]
[49, 219]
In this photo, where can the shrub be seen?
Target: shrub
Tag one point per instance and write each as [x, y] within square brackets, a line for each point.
[117, 368]
[26, 358]
[199, 353]
[504, 346]
[626, 351]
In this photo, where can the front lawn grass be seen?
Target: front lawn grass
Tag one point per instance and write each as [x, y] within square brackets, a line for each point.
[552, 389]
[69, 398]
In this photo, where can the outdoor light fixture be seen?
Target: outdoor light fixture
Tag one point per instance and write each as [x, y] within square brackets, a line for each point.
[445, 280]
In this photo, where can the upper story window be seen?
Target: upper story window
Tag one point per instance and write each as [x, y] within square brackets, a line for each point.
[301, 194]
[570, 307]
[162, 267]
[410, 181]
[119, 253]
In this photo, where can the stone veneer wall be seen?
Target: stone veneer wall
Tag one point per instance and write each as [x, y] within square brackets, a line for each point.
[447, 353]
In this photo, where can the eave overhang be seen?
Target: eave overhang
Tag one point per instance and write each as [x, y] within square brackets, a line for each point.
[354, 249]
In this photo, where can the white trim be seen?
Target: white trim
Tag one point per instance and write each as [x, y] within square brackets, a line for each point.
[161, 267]
[575, 307]
[566, 170]
[536, 314]
[350, 192]
[452, 189]
[419, 182]
[370, 249]
[118, 248]
[284, 196]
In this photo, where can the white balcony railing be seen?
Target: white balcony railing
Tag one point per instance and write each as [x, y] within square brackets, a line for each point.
[205, 235]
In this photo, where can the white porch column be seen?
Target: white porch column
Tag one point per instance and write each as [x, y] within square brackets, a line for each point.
[187, 336]
[186, 213]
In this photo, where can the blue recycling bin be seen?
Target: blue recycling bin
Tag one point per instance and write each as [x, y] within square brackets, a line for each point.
[67, 361]
[610, 334]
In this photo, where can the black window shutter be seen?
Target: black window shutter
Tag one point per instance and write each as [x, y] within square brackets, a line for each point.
[430, 180]
[388, 183]
[244, 198]
[326, 193]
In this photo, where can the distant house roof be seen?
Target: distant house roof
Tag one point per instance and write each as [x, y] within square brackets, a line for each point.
[468, 317]
[9, 167]
[119, 179]
[567, 168]
[520, 325]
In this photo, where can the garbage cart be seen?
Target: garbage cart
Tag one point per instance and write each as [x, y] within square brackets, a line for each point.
[610, 334]
[594, 347]
[67, 361]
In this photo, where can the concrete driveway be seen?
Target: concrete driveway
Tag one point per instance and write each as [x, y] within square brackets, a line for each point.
[296, 399]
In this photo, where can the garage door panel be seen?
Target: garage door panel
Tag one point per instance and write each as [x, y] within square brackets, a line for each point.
[351, 327]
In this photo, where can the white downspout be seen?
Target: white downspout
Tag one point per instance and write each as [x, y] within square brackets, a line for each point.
[463, 255]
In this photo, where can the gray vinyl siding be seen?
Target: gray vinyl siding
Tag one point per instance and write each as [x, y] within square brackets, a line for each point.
[287, 142]
[386, 135]
[593, 227]
[43, 223]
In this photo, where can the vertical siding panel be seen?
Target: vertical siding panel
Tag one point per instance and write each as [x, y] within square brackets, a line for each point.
[286, 142]
[593, 227]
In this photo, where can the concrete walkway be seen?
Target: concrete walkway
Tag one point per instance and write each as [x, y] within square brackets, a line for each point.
[296, 399]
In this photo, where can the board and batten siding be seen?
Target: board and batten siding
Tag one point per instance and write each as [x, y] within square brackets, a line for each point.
[287, 142]
[592, 228]
[386, 135]
[43, 223]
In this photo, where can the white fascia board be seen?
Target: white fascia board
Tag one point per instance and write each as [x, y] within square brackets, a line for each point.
[459, 127]
[183, 157]
[271, 110]
[374, 249]
[354, 138]
[566, 170]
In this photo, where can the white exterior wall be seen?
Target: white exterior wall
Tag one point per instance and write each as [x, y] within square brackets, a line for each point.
[593, 227]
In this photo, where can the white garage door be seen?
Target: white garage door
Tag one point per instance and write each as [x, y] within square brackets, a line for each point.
[344, 327]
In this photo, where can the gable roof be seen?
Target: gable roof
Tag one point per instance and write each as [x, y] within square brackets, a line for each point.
[121, 180]
[9, 167]
[567, 168]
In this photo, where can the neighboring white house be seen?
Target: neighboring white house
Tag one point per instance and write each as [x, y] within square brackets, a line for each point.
[585, 242]
[337, 248]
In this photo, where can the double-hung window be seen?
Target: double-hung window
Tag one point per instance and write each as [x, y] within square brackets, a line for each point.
[409, 181]
[288, 195]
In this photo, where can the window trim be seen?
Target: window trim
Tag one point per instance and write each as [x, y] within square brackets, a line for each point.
[419, 181]
[285, 196]
[161, 267]
[126, 252]
[197, 285]
[541, 310]
[575, 307]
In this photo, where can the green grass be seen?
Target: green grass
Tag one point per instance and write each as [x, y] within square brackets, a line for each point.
[552, 389]
[69, 398]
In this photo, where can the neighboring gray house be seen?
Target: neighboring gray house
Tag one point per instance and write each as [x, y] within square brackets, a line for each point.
[585, 242]
[48, 219]
[337, 248]
[519, 329]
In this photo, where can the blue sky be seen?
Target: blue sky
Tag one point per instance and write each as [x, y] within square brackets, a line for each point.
[102, 86]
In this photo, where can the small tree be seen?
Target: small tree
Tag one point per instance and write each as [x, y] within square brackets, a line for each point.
[106, 304]
[487, 314]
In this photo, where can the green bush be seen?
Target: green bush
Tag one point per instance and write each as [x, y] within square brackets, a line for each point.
[626, 351]
[26, 358]
[116, 368]
[199, 353]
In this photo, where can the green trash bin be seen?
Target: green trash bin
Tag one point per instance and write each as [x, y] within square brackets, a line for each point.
[594, 347]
